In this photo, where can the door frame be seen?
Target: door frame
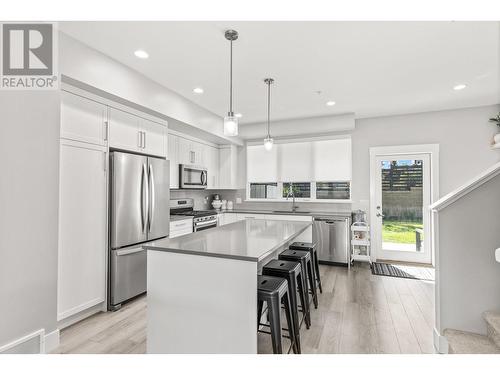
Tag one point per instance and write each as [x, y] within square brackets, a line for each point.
[391, 151]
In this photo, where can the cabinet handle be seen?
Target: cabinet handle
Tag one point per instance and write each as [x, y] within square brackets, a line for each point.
[140, 139]
[106, 128]
[144, 138]
[105, 160]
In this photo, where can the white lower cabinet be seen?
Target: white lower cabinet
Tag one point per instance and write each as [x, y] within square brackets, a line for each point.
[82, 228]
[227, 218]
[181, 227]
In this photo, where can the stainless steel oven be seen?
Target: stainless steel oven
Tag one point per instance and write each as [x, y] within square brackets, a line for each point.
[192, 177]
[203, 225]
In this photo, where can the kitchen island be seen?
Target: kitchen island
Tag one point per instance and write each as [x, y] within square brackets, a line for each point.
[202, 287]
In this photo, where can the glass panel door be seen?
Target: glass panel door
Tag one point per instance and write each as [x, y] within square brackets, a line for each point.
[402, 214]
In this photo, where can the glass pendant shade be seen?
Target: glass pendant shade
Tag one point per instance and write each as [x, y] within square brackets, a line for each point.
[231, 125]
[268, 143]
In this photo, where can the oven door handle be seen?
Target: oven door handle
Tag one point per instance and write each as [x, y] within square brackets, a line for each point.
[206, 224]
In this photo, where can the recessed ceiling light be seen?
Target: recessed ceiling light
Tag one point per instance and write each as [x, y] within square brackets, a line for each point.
[141, 54]
[198, 90]
[330, 103]
[459, 87]
[239, 115]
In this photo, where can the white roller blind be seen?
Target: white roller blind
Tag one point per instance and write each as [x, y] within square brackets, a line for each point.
[295, 161]
[262, 165]
[332, 160]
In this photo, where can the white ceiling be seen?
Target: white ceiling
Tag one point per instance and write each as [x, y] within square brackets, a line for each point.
[369, 68]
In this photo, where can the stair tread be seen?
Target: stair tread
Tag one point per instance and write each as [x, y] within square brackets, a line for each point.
[461, 342]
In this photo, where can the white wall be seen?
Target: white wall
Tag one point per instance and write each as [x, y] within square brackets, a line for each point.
[84, 64]
[29, 188]
[463, 135]
[468, 282]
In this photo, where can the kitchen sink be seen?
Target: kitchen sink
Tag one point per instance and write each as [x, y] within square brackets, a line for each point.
[292, 212]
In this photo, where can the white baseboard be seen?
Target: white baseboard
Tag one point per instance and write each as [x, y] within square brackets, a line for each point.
[33, 340]
[440, 342]
[51, 341]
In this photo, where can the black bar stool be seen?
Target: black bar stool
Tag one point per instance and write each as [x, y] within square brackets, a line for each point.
[291, 271]
[311, 247]
[304, 257]
[274, 291]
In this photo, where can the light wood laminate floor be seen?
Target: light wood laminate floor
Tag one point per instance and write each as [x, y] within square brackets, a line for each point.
[358, 313]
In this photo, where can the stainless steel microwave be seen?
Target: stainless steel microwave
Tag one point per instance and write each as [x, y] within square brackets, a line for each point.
[192, 177]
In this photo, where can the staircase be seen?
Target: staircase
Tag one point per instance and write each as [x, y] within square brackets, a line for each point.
[460, 342]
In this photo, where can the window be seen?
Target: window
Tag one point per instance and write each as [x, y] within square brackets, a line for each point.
[300, 189]
[333, 190]
[264, 190]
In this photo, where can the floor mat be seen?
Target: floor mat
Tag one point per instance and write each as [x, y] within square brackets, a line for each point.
[404, 271]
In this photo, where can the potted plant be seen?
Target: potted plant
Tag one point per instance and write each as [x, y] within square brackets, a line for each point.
[496, 120]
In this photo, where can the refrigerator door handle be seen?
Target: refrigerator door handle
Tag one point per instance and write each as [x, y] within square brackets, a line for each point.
[144, 198]
[151, 207]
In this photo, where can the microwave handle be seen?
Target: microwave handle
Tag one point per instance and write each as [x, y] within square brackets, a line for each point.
[204, 177]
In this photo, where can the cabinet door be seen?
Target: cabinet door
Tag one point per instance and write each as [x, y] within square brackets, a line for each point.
[83, 119]
[172, 155]
[154, 142]
[185, 152]
[82, 228]
[211, 155]
[198, 153]
[124, 130]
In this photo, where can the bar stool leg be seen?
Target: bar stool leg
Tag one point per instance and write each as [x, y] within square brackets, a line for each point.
[289, 322]
[274, 310]
[260, 305]
[312, 283]
[316, 268]
[304, 298]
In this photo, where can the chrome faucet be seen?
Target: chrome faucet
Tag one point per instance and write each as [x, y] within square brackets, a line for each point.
[292, 194]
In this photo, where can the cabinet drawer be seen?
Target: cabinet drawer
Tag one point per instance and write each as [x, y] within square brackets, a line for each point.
[181, 225]
[178, 233]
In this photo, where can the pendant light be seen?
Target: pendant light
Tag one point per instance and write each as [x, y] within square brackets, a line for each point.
[268, 141]
[231, 121]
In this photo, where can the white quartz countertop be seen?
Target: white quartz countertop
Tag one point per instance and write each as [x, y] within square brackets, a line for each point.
[250, 240]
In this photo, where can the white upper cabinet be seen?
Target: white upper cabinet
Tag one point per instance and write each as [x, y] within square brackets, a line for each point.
[295, 162]
[124, 130]
[332, 160]
[190, 152]
[83, 119]
[154, 134]
[134, 133]
[228, 171]
[211, 162]
[262, 165]
[173, 157]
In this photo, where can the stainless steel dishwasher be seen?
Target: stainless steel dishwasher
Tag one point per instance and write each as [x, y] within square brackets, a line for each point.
[332, 238]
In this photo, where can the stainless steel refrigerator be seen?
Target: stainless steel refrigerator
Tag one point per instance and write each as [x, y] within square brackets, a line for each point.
[140, 194]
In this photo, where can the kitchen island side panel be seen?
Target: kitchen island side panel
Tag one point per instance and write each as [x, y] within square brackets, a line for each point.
[199, 304]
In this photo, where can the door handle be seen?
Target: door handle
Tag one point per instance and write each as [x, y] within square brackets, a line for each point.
[144, 198]
[128, 251]
[151, 184]
[380, 215]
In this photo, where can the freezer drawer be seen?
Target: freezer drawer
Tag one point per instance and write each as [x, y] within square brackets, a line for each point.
[128, 274]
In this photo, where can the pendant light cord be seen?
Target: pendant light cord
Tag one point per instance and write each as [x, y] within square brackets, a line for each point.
[231, 79]
[268, 108]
